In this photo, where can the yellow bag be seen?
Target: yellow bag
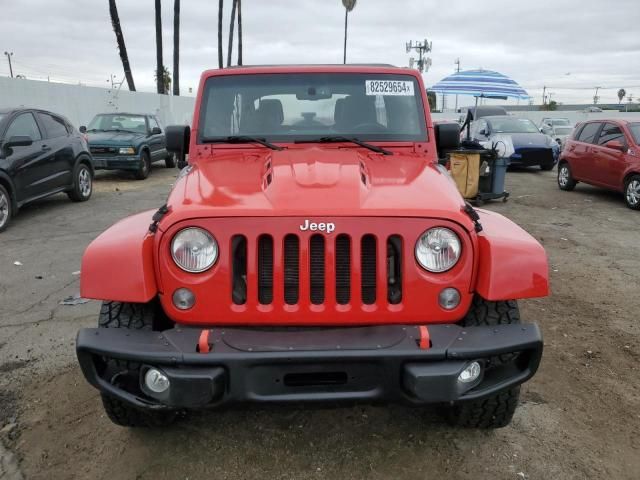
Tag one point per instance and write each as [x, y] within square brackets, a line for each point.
[465, 170]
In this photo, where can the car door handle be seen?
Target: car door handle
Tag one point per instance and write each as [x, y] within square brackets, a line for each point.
[46, 148]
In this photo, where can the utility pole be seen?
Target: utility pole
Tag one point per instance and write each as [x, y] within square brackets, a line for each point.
[544, 97]
[9, 55]
[457, 62]
[595, 97]
[421, 48]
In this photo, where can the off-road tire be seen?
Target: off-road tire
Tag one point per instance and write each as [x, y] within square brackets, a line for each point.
[493, 412]
[627, 198]
[7, 208]
[132, 316]
[82, 183]
[170, 161]
[565, 177]
[497, 410]
[145, 166]
[547, 166]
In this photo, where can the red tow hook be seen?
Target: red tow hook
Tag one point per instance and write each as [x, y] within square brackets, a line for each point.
[425, 340]
[203, 342]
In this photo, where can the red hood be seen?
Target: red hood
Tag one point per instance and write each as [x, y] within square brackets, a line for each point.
[314, 181]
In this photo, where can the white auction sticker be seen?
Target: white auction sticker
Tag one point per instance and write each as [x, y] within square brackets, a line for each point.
[388, 87]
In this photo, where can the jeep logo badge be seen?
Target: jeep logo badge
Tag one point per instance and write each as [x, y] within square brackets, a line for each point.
[318, 227]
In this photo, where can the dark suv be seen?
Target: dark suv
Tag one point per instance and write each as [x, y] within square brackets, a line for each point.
[41, 153]
[127, 141]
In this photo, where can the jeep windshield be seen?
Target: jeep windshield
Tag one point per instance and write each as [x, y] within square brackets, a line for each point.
[118, 123]
[308, 106]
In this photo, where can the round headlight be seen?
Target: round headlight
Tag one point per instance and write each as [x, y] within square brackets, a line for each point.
[194, 250]
[438, 249]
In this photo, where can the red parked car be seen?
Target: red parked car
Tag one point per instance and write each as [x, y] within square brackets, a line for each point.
[313, 250]
[604, 153]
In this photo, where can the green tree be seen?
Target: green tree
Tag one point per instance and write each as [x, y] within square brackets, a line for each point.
[621, 94]
[176, 47]
[164, 79]
[122, 49]
[159, 65]
[348, 6]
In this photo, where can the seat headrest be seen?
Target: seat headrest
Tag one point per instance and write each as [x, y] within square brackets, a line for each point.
[358, 110]
[270, 112]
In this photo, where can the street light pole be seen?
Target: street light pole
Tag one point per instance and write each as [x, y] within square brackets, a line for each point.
[457, 62]
[9, 55]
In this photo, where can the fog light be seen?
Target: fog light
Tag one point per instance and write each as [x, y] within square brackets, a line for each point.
[470, 373]
[156, 381]
[449, 298]
[183, 299]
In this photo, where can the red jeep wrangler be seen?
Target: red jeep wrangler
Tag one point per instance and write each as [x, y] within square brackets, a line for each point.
[313, 250]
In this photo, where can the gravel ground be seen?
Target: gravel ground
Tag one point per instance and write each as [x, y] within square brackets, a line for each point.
[579, 417]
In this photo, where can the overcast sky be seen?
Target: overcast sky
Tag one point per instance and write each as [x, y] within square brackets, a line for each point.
[570, 46]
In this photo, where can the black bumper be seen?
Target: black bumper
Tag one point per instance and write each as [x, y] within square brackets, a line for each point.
[378, 363]
[128, 162]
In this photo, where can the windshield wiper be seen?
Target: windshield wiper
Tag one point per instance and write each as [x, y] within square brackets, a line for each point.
[242, 139]
[340, 138]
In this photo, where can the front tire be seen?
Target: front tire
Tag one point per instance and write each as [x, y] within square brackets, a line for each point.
[132, 316]
[82, 183]
[497, 410]
[145, 166]
[6, 208]
[565, 177]
[170, 161]
[632, 192]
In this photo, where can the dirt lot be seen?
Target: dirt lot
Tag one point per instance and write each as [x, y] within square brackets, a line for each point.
[579, 416]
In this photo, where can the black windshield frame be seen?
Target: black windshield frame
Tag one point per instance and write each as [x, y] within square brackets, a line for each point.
[320, 79]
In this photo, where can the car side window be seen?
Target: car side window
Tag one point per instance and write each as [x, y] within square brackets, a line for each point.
[611, 132]
[24, 125]
[54, 126]
[588, 132]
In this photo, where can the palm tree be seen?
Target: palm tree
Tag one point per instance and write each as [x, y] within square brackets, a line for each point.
[165, 78]
[159, 65]
[234, 6]
[220, 4]
[176, 47]
[239, 33]
[621, 94]
[348, 6]
[115, 21]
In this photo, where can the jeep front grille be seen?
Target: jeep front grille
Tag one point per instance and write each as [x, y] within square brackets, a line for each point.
[306, 262]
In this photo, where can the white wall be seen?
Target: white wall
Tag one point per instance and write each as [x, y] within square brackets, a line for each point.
[79, 103]
[537, 116]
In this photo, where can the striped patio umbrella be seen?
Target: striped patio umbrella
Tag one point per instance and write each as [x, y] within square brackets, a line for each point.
[480, 83]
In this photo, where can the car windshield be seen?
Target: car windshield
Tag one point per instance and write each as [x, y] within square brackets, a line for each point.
[513, 125]
[307, 106]
[118, 122]
[2, 115]
[560, 122]
[562, 130]
[635, 131]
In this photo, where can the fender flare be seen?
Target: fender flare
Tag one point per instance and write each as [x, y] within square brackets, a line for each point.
[84, 156]
[119, 264]
[511, 263]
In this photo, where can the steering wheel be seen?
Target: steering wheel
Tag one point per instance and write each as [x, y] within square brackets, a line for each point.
[369, 128]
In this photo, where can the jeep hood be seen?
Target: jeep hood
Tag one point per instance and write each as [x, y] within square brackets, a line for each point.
[314, 182]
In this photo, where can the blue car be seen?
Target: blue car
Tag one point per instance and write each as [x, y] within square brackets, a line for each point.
[517, 139]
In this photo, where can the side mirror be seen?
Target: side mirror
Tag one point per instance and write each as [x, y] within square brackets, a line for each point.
[83, 129]
[155, 131]
[447, 137]
[483, 132]
[18, 141]
[178, 137]
[615, 145]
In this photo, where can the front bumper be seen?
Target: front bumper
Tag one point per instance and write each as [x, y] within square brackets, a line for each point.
[534, 157]
[377, 363]
[119, 162]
